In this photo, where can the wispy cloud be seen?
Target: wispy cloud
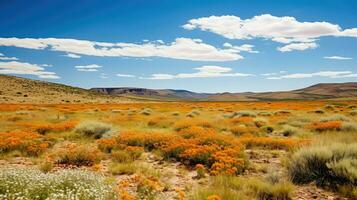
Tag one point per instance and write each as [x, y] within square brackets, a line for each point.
[326, 74]
[88, 68]
[337, 58]
[72, 55]
[181, 48]
[3, 57]
[126, 75]
[287, 30]
[202, 72]
[103, 75]
[15, 67]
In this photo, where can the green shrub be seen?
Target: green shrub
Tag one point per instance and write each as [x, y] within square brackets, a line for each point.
[122, 168]
[146, 111]
[336, 117]
[267, 129]
[327, 165]
[353, 113]
[31, 184]
[282, 112]
[237, 188]
[318, 111]
[349, 126]
[245, 113]
[289, 131]
[193, 113]
[78, 155]
[121, 156]
[266, 114]
[93, 129]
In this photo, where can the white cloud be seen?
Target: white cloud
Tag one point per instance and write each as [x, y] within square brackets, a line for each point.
[3, 57]
[160, 77]
[15, 67]
[287, 30]
[202, 72]
[327, 74]
[297, 46]
[238, 49]
[103, 75]
[337, 58]
[126, 75]
[273, 73]
[8, 58]
[88, 68]
[72, 55]
[181, 48]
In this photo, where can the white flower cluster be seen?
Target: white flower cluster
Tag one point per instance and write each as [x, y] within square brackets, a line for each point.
[32, 184]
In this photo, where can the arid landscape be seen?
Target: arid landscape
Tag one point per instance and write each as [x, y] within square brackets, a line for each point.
[177, 150]
[178, 100]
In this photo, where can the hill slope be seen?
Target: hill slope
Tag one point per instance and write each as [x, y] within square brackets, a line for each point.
[166, 94]
[21, 90]
[319, 91]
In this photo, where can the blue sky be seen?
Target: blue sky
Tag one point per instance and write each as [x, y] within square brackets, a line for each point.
[203, 46]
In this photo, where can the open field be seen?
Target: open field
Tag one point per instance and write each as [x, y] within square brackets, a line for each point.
[179, 150]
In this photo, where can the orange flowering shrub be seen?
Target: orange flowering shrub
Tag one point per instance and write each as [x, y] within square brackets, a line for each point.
[326, 126]
[78, 155]
[272, 143]
[191, 146]
[45, 128]
[29, 143]
[214, 197]
[191, 122]
[106, 145]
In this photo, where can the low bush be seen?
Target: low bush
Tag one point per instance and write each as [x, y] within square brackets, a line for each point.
[28, 143]
[282, 112]
[267, 129]
[28, 184]
[326, 126]
[336, 117]
[93, 129]
[353, 113]
[146, 111]
[326, 165]
[236, 188]
[122, 168]
[78, 155]
[289, 131]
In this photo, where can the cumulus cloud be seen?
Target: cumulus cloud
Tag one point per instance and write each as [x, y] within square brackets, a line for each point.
[15, 67]
[286, 30]
[181, 48]
[72, 55]
[88, 68]
[126, 75]
[337, 58]
[202, 72]
[327, 74]
[297, 46]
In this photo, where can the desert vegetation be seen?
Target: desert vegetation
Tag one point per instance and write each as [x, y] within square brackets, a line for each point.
[199, 150]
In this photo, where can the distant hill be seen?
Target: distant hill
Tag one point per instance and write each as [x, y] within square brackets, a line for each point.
[165, 94]
[319, 91]
[21, 90]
